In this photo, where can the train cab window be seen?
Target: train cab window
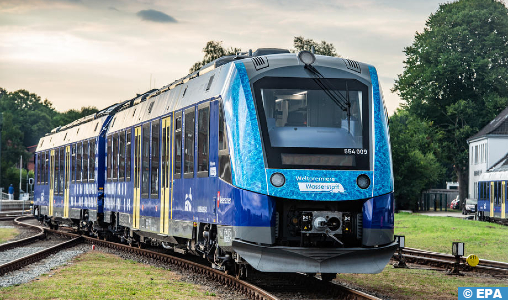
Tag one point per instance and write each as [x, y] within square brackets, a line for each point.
[115, 157]
[189, 142]
[178, 145]
[128, 156]
[79, 162]
[154, 176]
[85, 161]
[91, 165]
[203, 138]
[121, 156]
[61, 173]
[224, 161]
[109, 157]
[145, 161]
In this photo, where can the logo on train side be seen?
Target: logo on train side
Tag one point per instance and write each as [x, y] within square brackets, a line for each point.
[319, 185]
[188, 199]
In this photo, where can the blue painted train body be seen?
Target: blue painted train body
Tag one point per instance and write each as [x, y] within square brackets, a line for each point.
[262, 160]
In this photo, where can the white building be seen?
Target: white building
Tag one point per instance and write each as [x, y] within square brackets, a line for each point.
[486, 148]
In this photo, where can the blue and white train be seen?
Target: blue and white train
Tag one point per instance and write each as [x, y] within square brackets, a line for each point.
[272, 159]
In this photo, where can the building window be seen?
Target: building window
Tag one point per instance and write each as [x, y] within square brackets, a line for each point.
[189, 142]
[476, 154]
[203, 139]
[178, 145]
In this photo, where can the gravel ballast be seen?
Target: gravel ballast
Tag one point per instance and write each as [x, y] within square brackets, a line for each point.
[44, 266]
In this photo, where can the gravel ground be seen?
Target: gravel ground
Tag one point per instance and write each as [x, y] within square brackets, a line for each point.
[33, 271]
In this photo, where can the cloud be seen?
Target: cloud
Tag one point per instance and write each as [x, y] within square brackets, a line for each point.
[155, 16]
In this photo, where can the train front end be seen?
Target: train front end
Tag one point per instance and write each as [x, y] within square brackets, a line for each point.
[309, 149]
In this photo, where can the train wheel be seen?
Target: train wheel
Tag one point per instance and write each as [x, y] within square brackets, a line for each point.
[328, 276]
[241, 271]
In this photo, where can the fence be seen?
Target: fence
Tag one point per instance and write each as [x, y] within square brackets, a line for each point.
[437, 199]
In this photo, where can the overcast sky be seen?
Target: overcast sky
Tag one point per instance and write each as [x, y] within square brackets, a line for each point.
[78, 53]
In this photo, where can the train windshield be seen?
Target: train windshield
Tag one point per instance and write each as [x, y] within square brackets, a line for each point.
[304, 126]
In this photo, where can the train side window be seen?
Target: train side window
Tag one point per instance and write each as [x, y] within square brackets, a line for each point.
[154, 182]
[73, 163]
[499, 194]
[85, 161]
[55, 176]
[46, 167]
[91, 165]
[203, 138]
[145, 161]
[115, 157]
[178, 145]
[109, 170]
[38, 160]
[61, 171]
[79, 162]
[224, 161]
[190, 114]
[121, 154]
[128, 156]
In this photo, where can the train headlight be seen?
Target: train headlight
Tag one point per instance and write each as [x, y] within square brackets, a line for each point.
[277, 179]
[306, 57]
[363, 181]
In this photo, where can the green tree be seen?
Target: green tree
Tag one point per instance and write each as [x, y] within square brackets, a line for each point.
[455, 75]
[73, 114]
[323, 48]
[213, 50]
[415, 165]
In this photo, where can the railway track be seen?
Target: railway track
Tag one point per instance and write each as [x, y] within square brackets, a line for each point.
[448, 261]
[249, 289]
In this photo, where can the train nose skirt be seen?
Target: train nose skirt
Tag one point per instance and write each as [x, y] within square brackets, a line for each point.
[315, 260]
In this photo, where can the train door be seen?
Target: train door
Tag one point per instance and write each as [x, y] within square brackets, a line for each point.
[51, 183]
[166, 176]
[67, 180]
[137, 177]
[492, 189]
[503, 200]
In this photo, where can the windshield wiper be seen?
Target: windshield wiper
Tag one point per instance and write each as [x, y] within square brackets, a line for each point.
[338, 98]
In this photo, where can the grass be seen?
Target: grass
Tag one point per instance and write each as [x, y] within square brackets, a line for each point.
[96, 275]
[417, 283]
[486, 240]
[7, 234]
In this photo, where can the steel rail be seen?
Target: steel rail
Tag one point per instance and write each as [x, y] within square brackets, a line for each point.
[32, 258]
[448, 261]
[25, 241]
[246, 288]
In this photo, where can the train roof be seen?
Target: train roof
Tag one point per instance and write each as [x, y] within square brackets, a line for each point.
[206, 83]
